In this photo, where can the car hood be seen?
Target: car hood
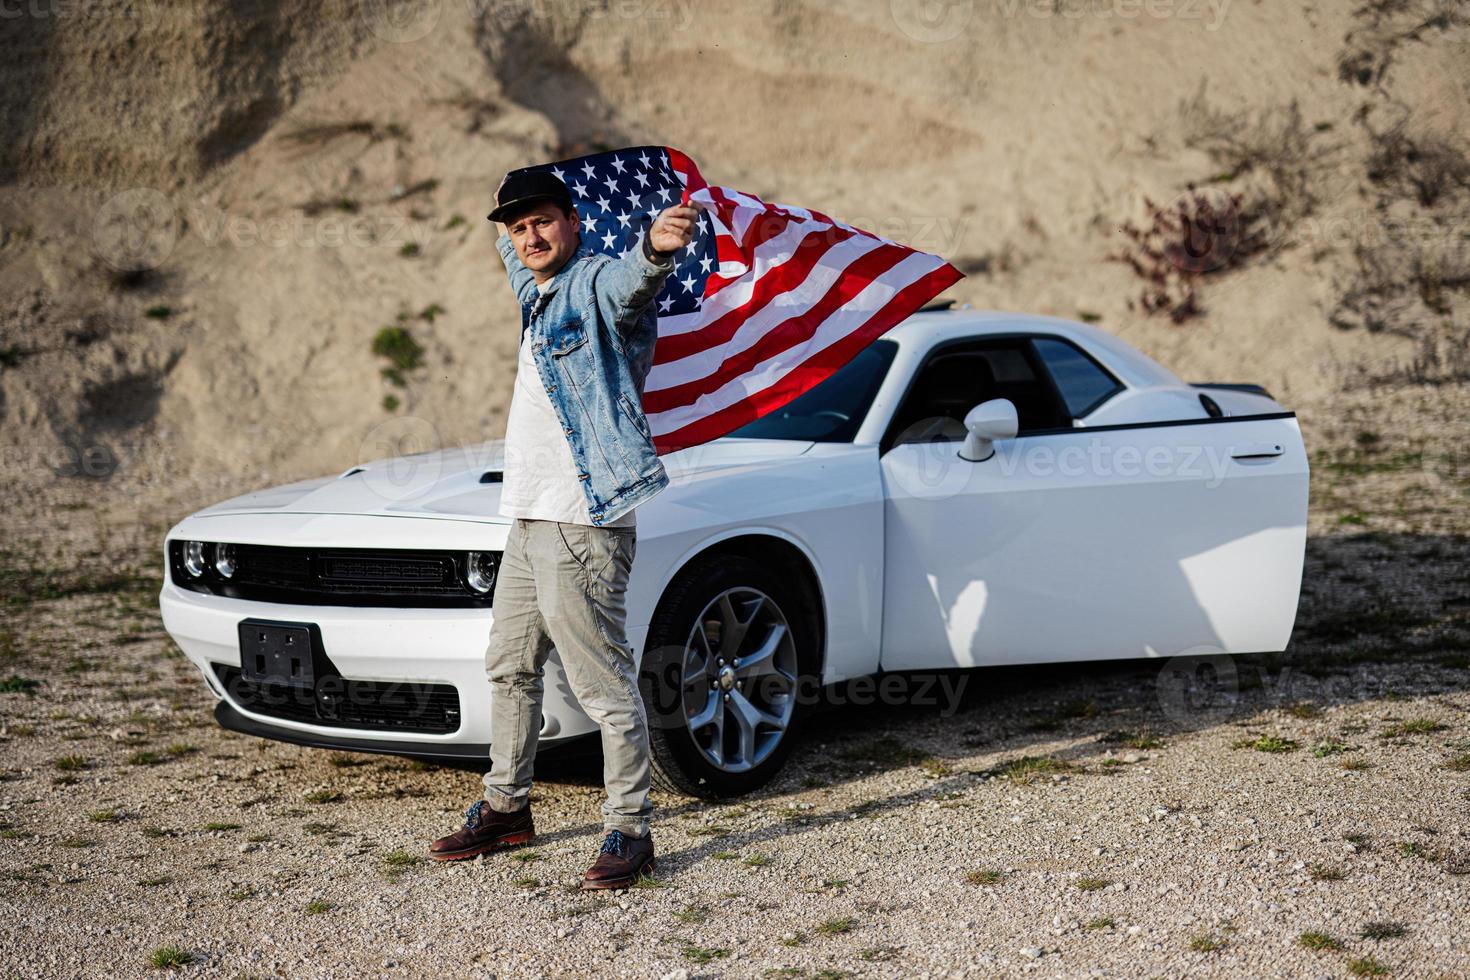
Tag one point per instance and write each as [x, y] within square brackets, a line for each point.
[464, 482]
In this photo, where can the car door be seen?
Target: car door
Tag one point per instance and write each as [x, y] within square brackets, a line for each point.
[1082, 543]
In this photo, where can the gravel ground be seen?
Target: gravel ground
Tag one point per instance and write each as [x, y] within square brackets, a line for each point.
[1080, 820]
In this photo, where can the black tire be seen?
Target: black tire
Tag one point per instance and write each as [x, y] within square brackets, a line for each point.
[680, 762]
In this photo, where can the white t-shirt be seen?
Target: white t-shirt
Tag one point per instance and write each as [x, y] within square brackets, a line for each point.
[540, 475]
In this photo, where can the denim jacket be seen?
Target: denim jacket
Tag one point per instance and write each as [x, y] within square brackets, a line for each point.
[592, 335]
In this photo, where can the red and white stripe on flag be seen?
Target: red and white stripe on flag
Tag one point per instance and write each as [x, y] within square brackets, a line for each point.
[795, 296]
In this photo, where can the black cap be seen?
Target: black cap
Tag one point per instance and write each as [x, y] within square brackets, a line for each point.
[522, 187]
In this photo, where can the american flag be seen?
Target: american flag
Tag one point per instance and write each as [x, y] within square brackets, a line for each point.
[766, 301]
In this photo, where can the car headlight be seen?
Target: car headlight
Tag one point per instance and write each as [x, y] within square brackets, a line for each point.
[224, 560]
[194, 558]
[479, 571]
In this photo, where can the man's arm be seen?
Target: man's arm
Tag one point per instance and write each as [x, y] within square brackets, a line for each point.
[522, 282]
[626, 285]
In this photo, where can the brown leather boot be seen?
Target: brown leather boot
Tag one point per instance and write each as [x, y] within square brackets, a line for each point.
[484, 830]
[620, 862]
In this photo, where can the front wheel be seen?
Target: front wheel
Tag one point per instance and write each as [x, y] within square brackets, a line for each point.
[727, 655]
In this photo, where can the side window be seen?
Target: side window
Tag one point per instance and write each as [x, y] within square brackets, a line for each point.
[956, 379]
[1083, 383]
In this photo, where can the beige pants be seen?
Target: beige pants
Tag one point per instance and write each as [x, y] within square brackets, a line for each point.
[563, 586]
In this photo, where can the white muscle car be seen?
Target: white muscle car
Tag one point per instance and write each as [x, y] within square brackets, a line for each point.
[971, 489]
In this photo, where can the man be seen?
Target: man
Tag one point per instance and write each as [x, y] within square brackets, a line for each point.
[579, 458]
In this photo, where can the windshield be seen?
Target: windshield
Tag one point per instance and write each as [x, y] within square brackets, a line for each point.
[833, 410]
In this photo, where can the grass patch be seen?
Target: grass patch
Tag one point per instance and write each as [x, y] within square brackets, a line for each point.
[1206, 944]
[1318, 941]
[1137, 740]
[1459, 762]
[985, 876]
[1356, 765]
[692, 914]
[170, 958]
[220, 825]
[756, 860]
[703, 954]
[403, 353]
[724, 855]
[836, 927]
[1414, 726]
[154, 882]
[1029, 768]
[146, 757]
[395, 863]
[1267, 743]
[1326, 872]
[1091, 884]
[886, 753]
[1384, 930]
[15, 684]
[527, 883]
[323, 796]
[1102, 922]
[71, 763]
[525, 856]
[710, 830]
[1330, 748]
[1367, 966]
[104, 816]
[317, 907]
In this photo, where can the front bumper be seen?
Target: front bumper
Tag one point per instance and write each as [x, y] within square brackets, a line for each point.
[424, 646]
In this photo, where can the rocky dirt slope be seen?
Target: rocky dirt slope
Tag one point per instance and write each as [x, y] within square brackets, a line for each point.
[211, 215]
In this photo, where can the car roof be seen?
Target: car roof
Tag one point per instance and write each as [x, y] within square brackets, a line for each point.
[923, 330]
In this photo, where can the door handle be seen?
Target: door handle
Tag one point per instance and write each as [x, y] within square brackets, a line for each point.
[1258, 450]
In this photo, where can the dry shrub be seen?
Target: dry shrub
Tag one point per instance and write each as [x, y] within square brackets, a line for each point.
[1271, 158]
[1274, 144]
[1385, 25]
[1202, 233]
[1423, 164]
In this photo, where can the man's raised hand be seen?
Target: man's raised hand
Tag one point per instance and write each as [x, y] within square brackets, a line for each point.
[674, 228]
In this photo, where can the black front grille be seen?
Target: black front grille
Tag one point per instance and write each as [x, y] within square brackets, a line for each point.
[337, 702]
[337, 576]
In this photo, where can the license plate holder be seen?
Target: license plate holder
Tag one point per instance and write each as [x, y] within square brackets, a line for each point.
[276, 654]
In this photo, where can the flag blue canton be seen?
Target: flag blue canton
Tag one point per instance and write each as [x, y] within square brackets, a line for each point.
[618, 195]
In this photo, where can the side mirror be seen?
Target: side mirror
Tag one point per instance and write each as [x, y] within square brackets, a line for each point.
[984, 424]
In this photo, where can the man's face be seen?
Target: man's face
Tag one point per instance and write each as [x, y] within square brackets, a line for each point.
[544, 238]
